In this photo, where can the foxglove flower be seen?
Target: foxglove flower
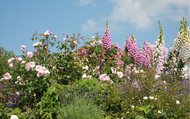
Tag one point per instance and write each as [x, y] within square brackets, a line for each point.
[107, 38]
[139, 58]
[184, 54]
[177, 44]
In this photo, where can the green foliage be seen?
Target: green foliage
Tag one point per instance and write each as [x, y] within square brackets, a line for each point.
[50, 102]
[80, 108]
[4, 56]
[6, 94]
[127, 99]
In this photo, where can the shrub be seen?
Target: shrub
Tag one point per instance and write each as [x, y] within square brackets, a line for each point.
[80, 108]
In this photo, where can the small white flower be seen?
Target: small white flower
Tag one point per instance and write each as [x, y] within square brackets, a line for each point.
[85, 67]
[97, 68]
[89, 77]
[110, 82]
[120, 74]
[157, 76]
[43, 68]
[64, 39]
[113, 70]
[151, 97]
[84, 75]
[132, 106]
[145, 98]
[23, 62]
[177, 102]
[75, 42]
[17, 93]
[14, 117]
[159, 112]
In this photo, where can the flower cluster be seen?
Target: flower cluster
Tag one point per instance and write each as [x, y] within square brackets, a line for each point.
[29, 65]
[114, 71]
[41, 71]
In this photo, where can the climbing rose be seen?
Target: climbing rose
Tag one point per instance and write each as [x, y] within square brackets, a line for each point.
[7, 76]
[29, 54]
[38, 68]
[104, 77]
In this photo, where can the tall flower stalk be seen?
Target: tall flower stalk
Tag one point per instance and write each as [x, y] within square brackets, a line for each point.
[180, 48]
[160, 51]
[107, 38]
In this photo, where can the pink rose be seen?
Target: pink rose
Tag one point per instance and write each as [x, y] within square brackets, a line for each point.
[100, 42]
[27, 68]
[93, 44]
[38, 68]
[9, 60]
[46, 72]
[32, 64]
[122, 55]
[19, 59]
[11, 65]
[50, 57]
[51, 33]
[23, 62]
[40, 73]
[7, 76]
[35, 44]
[12, 59]
[35, 51]
[29, 54]
[18, 77]
[55, 36]
[46, 33]
[23, 46]
[104, 77]
[21, 49]
[93, 37]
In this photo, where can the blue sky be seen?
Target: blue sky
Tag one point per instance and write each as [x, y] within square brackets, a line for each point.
[21, 18]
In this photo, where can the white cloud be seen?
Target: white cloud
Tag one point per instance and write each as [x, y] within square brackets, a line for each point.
[142, 13]
[91, 24]
[85, 2]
